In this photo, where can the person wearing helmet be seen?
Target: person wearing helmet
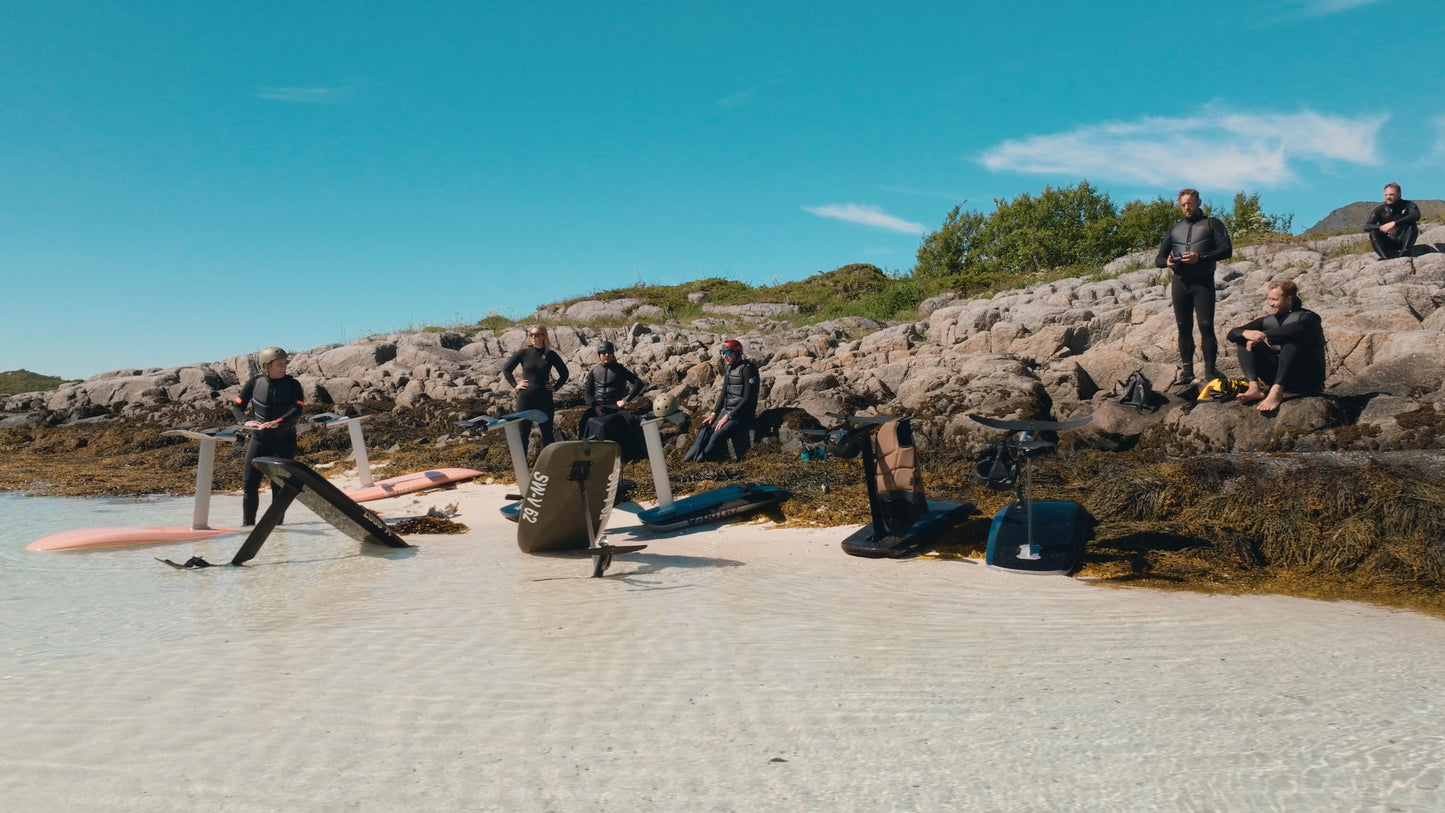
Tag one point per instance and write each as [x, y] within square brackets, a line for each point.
[609, 387]
[732, 417]
[609, 384]
[535, 389]
[273, 400]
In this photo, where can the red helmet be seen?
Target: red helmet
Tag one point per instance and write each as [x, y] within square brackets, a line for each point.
[734, 345]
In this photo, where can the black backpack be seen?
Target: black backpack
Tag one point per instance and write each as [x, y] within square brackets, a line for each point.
[1136, 392]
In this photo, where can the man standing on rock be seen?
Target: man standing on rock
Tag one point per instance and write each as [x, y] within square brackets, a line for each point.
[1192, 249]
[731, 418]
[1392, 226]
[1283, 351]
[274, 400]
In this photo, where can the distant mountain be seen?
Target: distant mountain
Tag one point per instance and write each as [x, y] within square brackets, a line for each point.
[1352, 218]
[18, 381]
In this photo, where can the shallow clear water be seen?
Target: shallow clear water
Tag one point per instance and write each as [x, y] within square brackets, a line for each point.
[698, 676]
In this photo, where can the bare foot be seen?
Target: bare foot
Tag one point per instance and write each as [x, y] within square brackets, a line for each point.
[1250, 395]
[1272, 400]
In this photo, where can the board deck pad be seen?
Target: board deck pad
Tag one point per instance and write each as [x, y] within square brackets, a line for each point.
[710, 506]
[551, 515]
[1061, 529]
[410, 484]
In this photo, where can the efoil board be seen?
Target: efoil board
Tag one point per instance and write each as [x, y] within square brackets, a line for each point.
[97, 538]
[410, 483]
[710, 506]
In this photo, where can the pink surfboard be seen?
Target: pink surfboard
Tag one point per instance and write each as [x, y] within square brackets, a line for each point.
[95, 538]
[409, 483]
[113, 537]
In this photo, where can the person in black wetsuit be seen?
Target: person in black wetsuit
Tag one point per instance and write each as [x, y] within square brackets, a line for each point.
[1192, 249]
[1283, 351]
[609, 387]
[609, 384]
[1392, 225]
[274, 400]
[535, 389]
[732, 416]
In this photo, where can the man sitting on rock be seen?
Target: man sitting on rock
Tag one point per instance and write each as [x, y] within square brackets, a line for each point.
[1283, 351]
[1392, 226]
[732, 417]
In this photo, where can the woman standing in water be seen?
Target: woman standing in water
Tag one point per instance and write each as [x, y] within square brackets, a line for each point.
[535, 388]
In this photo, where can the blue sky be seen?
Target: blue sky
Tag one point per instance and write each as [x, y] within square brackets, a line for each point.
[181, 182]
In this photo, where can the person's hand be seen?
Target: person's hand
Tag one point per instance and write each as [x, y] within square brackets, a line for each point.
[1189, 257]
[1388, 228]
[522, 385]
[551, 387]
[254, 424]
[722, 421]
[622, 403]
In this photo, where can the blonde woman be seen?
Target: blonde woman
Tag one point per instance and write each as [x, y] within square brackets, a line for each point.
[535, 388]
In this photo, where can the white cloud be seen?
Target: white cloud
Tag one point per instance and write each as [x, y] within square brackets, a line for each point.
[867, 216]
[303, 95]
[1213, 149]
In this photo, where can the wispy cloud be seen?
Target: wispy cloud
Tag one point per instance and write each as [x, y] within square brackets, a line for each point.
[737, 99]
[867, 216]
[303, 95]
[1213, 149]
[1323, 7]
[1437, 152]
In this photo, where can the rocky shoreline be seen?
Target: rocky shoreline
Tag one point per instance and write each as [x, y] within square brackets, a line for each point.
[1053, 350]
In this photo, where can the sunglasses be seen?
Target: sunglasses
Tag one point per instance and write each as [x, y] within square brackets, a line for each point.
[727, 352]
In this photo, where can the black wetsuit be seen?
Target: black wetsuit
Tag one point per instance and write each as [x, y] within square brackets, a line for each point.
[1295, 355]
[267, 399]
[611, 382]
[607, 384]
[738, 401]
[1192, 289]
[537, 366]
[1405, 215]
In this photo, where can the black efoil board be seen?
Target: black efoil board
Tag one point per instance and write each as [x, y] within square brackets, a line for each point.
[710, 506]
[1060, 531]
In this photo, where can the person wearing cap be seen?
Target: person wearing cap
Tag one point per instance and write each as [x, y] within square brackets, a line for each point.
[273, 400]
[535, 389]
[732, 417]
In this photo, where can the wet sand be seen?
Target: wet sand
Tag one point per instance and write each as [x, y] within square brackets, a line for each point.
[735, 669]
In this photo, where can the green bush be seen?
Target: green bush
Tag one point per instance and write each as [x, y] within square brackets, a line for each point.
[1072, 227]
[22, 380]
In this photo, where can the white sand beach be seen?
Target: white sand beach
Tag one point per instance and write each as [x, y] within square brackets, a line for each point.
[742, 668]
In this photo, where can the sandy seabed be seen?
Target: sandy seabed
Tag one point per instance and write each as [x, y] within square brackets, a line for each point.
[744, 668]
